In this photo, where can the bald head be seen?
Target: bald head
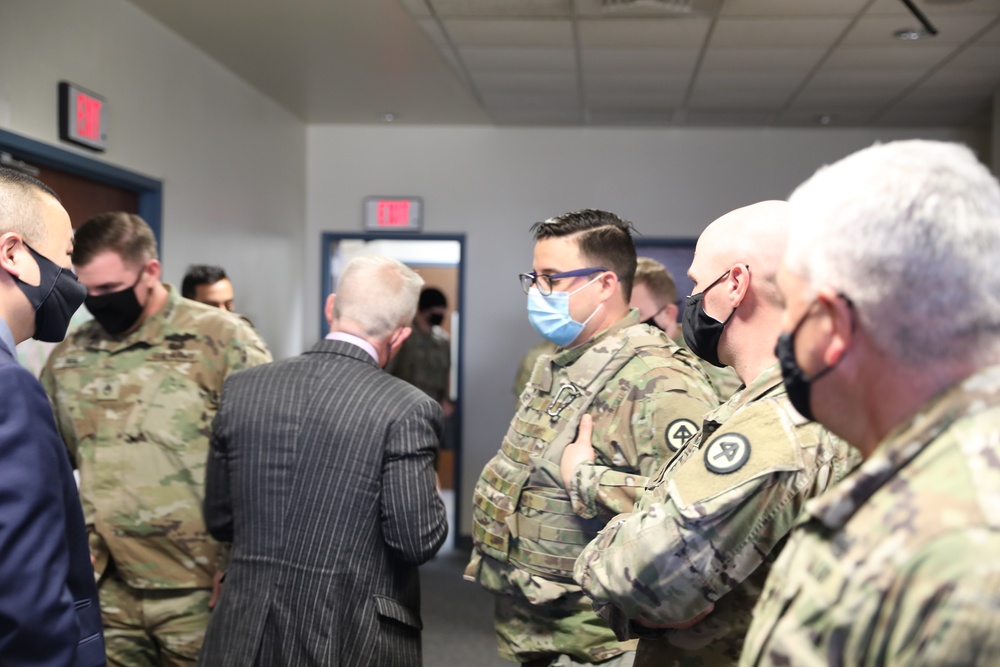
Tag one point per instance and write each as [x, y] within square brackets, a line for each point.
[754, 236]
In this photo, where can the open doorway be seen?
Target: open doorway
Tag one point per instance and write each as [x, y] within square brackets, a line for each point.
[438, 259]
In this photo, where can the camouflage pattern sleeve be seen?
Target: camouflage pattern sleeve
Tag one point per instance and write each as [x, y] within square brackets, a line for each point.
[662, 409]
[63, 422]
[703, 526]
[246, 350]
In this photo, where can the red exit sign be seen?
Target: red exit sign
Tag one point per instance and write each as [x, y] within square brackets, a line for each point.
[82, 117]
[394, 214]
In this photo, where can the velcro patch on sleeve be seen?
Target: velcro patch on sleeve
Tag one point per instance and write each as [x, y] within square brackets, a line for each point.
[754, 443]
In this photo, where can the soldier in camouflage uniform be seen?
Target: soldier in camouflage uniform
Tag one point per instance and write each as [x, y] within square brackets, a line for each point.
[890, 337]
[424, 360]
[642, 391]
[134, 393]
[527, 365]
[654, 295]
[684, 569]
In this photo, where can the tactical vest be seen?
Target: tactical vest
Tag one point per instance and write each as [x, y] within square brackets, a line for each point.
[522, 515]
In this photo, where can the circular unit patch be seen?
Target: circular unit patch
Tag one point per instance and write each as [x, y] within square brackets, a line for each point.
[727, 453]
[680, 431]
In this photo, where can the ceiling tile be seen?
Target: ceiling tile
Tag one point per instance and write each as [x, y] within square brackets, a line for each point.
[977, 58]
[761, 59]
[511, 33]
[595, 8]
[741, 80]
[417, 8]
[639, 33]
[828, 96]
[634, 101]
[991, 38]
[718, 98]
[656, 60]
[869, 78]
[638, 81]
[537, 117]
[917, 116]
[839, 116]
[954, 77]
[507, 8]
[526, 80]
[724, 117]
[777, 33]
[433, 31]
[512, 101]
[935, 8]
[633, 118]
[880, 30]
[792, 7]
[497, 58]
[887, 57]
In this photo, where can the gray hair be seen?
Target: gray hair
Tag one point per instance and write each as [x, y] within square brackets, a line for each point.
[910, 232]
[378, 294]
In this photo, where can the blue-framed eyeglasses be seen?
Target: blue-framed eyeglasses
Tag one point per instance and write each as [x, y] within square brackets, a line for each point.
[545, 282]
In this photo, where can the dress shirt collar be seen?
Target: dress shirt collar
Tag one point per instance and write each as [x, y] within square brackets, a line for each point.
[354, 340]
[7, 337]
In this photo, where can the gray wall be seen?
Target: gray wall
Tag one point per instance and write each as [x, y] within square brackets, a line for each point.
[493, 183]
[232, 161]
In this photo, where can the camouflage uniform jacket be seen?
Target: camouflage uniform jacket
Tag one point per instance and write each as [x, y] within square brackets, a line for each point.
[135, 412]
[424, 360]
[706, 524]
[898, 565]
[631, 412]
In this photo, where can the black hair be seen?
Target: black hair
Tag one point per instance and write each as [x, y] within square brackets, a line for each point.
[431, 297]
[200, 274]
[603, 238]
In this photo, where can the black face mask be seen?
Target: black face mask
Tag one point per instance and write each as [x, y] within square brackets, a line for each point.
[118, 311]
[56, 297]
[796, 383]
[652, 323]
[702, 331]
[436, 319]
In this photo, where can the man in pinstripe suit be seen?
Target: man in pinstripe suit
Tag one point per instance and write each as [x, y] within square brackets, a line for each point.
[321, 475]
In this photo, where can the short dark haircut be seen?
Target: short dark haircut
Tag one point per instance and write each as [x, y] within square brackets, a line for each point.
[201, 274]
[431, 297]
[603, 238]
[126, 234]
[18, 204]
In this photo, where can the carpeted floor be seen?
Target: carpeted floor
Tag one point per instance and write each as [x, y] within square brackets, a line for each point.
[457, 615]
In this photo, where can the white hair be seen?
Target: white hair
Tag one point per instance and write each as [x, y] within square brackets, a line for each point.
[378, 294]
[909, 231]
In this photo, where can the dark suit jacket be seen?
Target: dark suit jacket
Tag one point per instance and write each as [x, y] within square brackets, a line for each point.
[321, 475]
[49, 610]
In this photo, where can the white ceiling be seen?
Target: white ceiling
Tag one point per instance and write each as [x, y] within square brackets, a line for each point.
[576, 62]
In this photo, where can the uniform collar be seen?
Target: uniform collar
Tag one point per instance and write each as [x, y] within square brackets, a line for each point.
[578, 374]
[974, 394]
[768, 383]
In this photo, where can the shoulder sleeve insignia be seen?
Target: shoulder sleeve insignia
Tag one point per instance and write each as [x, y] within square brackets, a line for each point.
[680, 431]
[727, 453]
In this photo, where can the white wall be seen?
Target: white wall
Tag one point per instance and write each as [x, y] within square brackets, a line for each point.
[493, 183]
[232, 161]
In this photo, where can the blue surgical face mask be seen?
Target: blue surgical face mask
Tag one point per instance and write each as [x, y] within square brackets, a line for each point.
[550, 317]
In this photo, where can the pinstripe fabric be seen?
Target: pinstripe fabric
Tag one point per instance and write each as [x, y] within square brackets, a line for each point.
[321, 474]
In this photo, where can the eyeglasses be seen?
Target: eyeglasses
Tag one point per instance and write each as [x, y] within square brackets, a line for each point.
[545, 282]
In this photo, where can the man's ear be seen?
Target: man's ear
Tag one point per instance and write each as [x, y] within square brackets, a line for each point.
[328, 309]
[11, 248]
[840, 320]
[155, 269]
[400, 337]
[609, 283]
[738, 283]
[670, 312]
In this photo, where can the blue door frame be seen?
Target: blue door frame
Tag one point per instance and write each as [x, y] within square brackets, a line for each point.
[149, 190]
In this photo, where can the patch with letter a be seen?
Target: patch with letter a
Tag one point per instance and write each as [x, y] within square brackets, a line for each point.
[680, 431]
[727, 453]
